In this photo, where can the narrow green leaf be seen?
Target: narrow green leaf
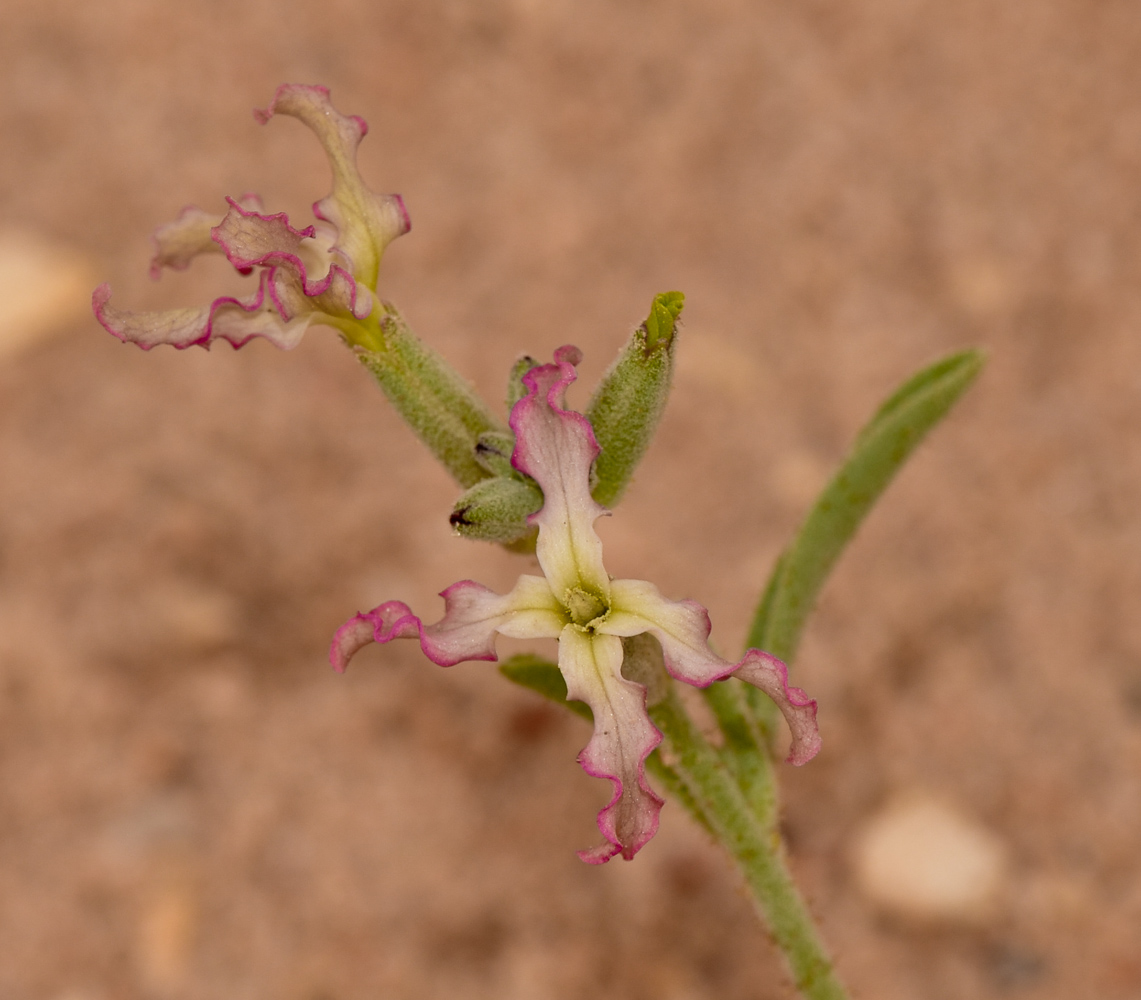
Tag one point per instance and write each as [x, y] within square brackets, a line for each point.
[543, 677]
[879, 451]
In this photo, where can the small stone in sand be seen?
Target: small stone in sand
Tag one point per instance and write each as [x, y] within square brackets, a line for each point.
[922, 859]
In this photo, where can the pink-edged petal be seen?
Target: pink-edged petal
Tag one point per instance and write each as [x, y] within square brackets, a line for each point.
[236, 320]
[338, 295]
[623, 739]
[250, 239]
[366, 222]
[682, 628]
[473, 615]
[765, 671]
[555, 447]
[178, 243]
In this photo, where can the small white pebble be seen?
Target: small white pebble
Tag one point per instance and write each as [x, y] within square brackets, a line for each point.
[922, 859]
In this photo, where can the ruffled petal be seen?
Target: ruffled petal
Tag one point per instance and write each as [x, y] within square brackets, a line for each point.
[472, 617]
[555, 447]
[623, 739]
[179, 242]
[682, 628]
[366, 222]
[765, 671]
[236, 320]
[250, 239]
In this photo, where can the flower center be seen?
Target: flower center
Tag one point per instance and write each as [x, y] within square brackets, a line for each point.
[584, 605]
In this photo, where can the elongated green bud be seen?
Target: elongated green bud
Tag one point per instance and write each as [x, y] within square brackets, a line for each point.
[516, 390]
[440, 406]
[493, 453]
[631, 396]
[496, 509]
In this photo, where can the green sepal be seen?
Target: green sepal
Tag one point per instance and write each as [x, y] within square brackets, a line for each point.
[496, 509]
[631, 396]
[543, 677]
[661, 324]
[435, 401]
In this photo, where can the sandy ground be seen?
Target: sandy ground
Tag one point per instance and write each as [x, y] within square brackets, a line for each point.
[193, 806]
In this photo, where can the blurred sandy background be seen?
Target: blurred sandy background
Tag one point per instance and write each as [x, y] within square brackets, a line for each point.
[193, 806]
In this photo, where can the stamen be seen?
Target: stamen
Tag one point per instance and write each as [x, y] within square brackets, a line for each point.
[583, 605]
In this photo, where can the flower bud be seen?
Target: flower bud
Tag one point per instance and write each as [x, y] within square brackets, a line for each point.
[493, 453]
[496, 509]
[516, 390]
[629, 400]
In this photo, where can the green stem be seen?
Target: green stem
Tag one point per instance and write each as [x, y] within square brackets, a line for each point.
[673, 783]
[732, 793]
[439, 405]
[745, 750]
[756, 848]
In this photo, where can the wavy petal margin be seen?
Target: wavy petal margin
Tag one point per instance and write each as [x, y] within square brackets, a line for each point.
[765, 671]
[555, 447]
[177, 243]
[473, 615]
[366, 222]
[251, 239]
[682, 628]
[623, 738]
[235, 320]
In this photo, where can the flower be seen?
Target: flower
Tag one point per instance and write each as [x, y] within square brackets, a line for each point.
[576, 602]
[325, 273]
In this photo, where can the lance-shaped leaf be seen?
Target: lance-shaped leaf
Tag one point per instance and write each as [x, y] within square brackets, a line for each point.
[631, 396]
[878, 453]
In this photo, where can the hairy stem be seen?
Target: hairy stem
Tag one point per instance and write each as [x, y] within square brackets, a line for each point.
[755, 846]
[732, 793]
[435, 401]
